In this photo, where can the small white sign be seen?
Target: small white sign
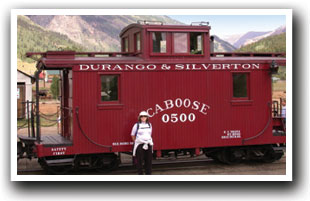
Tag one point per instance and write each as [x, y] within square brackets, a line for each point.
[231, 134]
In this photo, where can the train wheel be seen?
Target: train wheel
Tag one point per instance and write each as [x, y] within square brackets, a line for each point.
[270, 155]
[107, 163]
[231, 156]
[20, 150]
[59, 170]
[55, 170]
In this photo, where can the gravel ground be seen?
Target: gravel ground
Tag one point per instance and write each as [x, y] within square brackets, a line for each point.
[209, 168]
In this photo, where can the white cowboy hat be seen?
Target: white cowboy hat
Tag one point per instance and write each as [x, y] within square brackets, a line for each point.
[143, 113]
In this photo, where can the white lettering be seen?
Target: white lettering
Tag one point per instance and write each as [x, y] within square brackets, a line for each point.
[226, 66]
[140, 67]
[128, 66]
[174, 118]
[92, 67]
[84, 67]
[204, 108]
[246, 66]
[169, 104]
[178, 102]
[196, 68]
[165, 118]
[196, 105]
[151, 115]
[179, 66]
[235, 66]
[206, 67]
[231, 134]
[187, 103]
[106, 66]
[191, 117]
[58, 151]
[217, 66]
[183, 117]
[158, 108]
[117, 67]
[151, 67]
[255, 66]
[165, 67]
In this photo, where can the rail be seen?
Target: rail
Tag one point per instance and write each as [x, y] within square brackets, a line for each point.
[149, 22]
[87, 137]
[246, 54]
[277, 108]
[264, 129]
[72, 54]
[202, 23]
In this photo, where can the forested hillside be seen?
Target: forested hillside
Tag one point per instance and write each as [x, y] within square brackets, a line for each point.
[98, 33]
[33, 38]
[275, 43]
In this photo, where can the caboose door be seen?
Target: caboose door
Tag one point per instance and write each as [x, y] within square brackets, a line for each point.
[66, 104]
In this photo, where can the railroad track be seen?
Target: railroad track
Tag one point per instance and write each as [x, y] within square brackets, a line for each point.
[194, 166]
[129, 168]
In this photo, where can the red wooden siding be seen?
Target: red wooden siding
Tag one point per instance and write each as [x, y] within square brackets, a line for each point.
[108, 124]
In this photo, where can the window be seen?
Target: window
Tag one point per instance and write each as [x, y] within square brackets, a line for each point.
[137, 42]
[196, 43]
[240, 85]
[185, 43]
[159, 42]
[109, 87]
[125, 45]
[180, 42]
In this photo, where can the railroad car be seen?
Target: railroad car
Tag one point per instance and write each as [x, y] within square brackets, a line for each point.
[199, 101]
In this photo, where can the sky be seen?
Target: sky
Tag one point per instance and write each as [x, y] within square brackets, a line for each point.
[223, 25]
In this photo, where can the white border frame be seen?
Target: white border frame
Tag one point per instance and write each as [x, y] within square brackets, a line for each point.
[289, 170]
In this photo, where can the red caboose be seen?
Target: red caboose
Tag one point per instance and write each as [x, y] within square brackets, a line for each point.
[219, 104]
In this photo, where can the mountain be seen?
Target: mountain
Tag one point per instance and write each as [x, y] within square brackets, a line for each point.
[232, 38]
[247, 37]
[222, 46]
[252, 36]
[279, 30]
[90, 32]
[94, 32]
[31, 37]
[272, 43]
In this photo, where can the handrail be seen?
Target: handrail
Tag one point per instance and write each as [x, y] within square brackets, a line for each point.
[248, 54]
[264, 129]
[89, 54]
[148, 22]
[202, 23]
[87, 137]
[114, 54]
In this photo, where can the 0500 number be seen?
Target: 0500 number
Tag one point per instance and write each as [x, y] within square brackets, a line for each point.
[174, 118]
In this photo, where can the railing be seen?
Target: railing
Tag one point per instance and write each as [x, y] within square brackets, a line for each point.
[246, 54]
[279, 117]
[277, 108]
[71, 54]
[149, 22]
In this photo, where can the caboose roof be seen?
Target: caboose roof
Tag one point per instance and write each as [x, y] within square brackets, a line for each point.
[156, 27]
[53, 63]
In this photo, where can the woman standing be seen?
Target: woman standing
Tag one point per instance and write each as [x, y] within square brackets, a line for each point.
[141, 134]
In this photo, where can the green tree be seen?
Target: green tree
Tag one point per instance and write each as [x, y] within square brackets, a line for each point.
[55, 87]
